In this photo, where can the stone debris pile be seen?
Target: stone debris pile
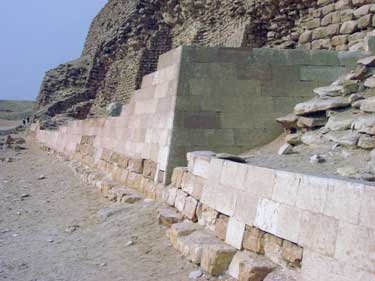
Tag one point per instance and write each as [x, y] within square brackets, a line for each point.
[341, 115]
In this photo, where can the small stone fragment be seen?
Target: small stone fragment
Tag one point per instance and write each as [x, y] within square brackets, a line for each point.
[316, 159]
[131, 198]
[312, 121]
[370, 82]
[285, 149]
[41, 177]
[195, 274]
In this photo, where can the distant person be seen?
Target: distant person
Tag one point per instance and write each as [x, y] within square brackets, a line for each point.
[24, 122]
[28, 120]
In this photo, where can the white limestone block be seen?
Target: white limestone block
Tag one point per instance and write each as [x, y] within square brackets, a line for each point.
[356, 245]
[286, 187]
[225, 200]
[278, 219]
[318, 232]
[260, 181]
[235, 232]
[344, 200]
[312, 193]
[367, 215]
[246, 207]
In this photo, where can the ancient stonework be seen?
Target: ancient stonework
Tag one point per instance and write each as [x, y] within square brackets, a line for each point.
[127, 37]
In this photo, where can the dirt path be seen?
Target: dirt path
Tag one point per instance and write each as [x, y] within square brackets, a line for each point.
[38, 240]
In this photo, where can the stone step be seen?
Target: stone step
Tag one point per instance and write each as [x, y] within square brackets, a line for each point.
[181, 229]
[168, 216]
[248, 266]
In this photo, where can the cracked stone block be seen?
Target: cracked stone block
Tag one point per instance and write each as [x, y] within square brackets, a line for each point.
[221, 227]
[253, 240]
[190, 208]
[253, 267]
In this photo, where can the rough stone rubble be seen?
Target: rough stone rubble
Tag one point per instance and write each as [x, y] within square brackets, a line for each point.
[340, 115]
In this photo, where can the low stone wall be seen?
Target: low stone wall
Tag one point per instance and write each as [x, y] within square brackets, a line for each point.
[332, 219]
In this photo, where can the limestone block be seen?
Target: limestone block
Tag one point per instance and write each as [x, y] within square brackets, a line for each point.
[221, 227]
[318, 232]
[201, 167]
[323, 268]
[273, 248]
[180, 200]
[235, 232]
[177, 176]
[190, 208]
[339, 40]
[349, 27]
[286, 187]
[106, 155]
[215, 170]
[234, 267]
[278, 219]
[260, 181]
[207, 216]
[181, 229]
[225, 200]
[188, 182]
[284, 274]
[312, 193]
[367, 215]
[355, 245]
[172, 194]
[136, 165]
[365, 21]
[191, 246]
[253, 240]
[327, 31]
[255, 268]
[123, 161]
[105, 186]
[344, 200]
[246, 207]
[134, 181]
[209, 194]
[168, 217]
[198, 188]
[292, 254]
[216, 258]
[150, 168]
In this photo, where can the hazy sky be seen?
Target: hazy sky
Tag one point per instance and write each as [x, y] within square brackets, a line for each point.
[37, 35]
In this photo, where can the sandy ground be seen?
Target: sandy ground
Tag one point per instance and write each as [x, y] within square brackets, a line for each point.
[9, 124]
[37, 237]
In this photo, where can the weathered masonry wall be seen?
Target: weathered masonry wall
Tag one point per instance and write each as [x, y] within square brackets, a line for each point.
[332, 219]
[228, 98]
[221, 99]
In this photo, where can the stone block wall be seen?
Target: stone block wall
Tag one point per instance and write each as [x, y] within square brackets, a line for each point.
[267, 210]
[219, 99]
[228, 98]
